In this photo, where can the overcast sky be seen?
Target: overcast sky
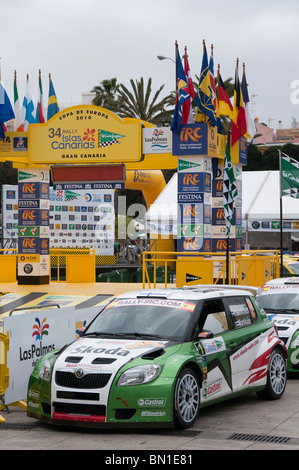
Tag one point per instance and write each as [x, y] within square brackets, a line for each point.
[82, 42]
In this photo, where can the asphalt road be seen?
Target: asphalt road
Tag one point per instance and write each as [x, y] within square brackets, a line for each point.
[245, 423]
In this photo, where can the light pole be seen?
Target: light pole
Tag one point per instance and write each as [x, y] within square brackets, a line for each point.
[161, 57]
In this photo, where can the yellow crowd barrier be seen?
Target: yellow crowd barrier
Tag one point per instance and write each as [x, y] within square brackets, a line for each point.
[4, 371]
[8, 264]
[73, 265]
[4, 376]
[249, 267]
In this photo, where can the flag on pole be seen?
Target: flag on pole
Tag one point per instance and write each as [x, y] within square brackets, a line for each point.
[18, 122]
[187, 112]
[204, 100]
[230, 191]
[238, 117]
[53, 107]
[250, 126]
[182, 94]
[225, 108]
[39, 108]
[6, 110]
[289, 174]
[28, 107]
[213, 88]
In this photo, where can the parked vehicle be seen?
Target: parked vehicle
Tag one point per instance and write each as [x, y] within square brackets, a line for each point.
[153, 357]
[280, 300]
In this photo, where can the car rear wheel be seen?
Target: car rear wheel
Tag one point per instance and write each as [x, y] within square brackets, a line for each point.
[186, 399]
[276, 377]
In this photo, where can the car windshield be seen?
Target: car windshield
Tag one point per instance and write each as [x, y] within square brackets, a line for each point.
[279, 301]
[294, 267]
[147, 317]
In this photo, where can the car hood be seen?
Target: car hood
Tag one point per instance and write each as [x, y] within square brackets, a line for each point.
[106, 355]
[286, 324]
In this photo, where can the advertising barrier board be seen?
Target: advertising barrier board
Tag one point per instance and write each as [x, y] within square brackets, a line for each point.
[34, 333]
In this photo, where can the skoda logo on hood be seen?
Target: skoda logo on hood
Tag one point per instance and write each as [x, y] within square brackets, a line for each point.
[79, 373]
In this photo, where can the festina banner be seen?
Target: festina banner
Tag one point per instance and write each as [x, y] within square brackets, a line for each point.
[289, 176]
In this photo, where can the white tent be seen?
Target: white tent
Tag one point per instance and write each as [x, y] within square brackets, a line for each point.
[162, 215]
[261, 197]
[260, 203]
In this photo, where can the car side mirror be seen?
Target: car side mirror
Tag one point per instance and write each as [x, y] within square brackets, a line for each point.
[206, 335]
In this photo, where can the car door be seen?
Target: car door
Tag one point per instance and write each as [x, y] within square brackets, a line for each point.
[217, 338]
[245, 340]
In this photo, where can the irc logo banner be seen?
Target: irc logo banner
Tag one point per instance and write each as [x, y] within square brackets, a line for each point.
[33, 190]
[33, 223]
[194, 202]
[33, 245]
[33, 217]
[190, 182]
[28, 245]
[195, 139]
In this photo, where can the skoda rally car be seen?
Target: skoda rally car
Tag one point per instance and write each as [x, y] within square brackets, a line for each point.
[280, 300]
[153, 357]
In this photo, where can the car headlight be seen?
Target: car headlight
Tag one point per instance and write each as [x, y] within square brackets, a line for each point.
[140, 375]
[45, 372]
[295, 343]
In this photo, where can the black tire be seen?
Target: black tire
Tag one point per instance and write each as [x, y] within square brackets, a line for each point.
[276, 377]
[186, 399]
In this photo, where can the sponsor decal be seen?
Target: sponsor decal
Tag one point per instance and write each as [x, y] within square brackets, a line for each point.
[156, 302]
[33, 405]
[212, 389]
[151, 402]
[213, 345]
[33, 393]
[246, 349]
[295, 357]
[153, 413]
[84, 349]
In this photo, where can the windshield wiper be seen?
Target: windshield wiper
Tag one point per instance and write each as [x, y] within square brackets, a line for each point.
[100, 333]
[267, 309]
[290, 310]
[284, 310]
[125, 333]
[147, 335]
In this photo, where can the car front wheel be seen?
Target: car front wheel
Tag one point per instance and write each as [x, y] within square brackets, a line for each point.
[276, 377]
[186, 399]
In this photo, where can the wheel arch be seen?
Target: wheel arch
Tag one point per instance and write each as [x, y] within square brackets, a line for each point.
[282, 348]
[196, 369]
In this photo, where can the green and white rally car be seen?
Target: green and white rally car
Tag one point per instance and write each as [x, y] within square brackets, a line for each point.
[280, 300]
[153, 357]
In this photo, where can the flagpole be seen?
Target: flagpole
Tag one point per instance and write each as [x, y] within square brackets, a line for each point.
[217, 92]
[227, 274]
[203, 47]
[281, 218]
[227, 261]
[176, 71]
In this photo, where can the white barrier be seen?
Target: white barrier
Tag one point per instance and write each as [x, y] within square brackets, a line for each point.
[33, 334]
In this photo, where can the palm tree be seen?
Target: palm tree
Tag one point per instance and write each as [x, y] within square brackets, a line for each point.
[138, 103]
[106, 94]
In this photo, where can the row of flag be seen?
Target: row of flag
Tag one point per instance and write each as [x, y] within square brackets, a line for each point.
[209, 104]
[26, 113]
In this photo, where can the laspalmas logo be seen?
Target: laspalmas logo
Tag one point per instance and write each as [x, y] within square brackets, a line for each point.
[36, 350]
[40, 329]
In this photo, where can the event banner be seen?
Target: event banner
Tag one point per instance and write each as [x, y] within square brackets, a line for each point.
[195, 139]
[33, 213]
[194, 204]
[83, 134]
[76, 219]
